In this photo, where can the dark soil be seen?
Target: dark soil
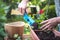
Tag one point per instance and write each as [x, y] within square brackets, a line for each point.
[46, 35]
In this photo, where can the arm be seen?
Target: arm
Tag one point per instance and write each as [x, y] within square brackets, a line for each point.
[33, 35]
[25, 0]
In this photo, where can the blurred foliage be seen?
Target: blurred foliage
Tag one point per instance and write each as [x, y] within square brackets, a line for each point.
[2, 20]
[50, 13]
[5, 9]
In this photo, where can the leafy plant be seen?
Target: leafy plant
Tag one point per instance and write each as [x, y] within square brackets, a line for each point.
[50, 12]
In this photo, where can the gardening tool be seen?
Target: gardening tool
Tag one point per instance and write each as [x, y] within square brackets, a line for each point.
[30, 21]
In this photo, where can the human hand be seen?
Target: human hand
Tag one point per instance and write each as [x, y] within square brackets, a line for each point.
[22, 6]
[48, 24]
[57, 33]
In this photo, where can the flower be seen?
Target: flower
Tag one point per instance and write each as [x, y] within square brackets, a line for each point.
[41, 11]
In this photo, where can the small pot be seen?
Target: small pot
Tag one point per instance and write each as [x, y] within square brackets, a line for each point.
[14, 28]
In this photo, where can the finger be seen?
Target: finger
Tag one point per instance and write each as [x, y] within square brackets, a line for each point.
[44, 25]
[57, 33]
[44, 22]
[50, 28]
[53, 30]
[21, 10]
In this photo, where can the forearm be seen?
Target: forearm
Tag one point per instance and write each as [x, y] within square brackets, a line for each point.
[25, 1]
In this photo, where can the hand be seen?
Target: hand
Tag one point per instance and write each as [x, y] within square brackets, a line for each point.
[48, 24]
[22, 7]
[57, 33]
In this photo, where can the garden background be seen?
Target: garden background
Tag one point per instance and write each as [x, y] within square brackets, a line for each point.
[6, 6]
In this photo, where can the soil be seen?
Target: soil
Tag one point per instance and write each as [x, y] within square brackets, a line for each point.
[46, 35]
